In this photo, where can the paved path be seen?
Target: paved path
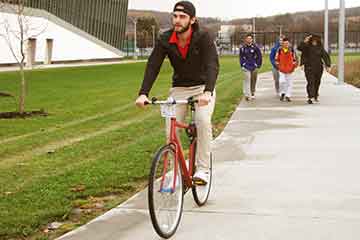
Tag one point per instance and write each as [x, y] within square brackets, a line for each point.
[284, 171]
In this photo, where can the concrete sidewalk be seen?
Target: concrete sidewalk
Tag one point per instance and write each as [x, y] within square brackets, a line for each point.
[284, 171]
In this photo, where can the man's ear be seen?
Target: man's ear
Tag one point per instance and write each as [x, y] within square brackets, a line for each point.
[193, 20]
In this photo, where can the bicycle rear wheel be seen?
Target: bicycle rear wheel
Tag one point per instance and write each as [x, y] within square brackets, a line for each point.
[165, 192]
[201, 192]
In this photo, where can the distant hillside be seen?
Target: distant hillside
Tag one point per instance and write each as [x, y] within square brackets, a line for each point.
[311, 21]
[164, 19]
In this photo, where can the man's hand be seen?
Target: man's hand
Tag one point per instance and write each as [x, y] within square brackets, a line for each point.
[307, 39]
[204, 99]
[328, 69]
[141, 101]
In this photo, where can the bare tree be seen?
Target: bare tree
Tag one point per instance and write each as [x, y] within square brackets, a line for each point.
[16, 36]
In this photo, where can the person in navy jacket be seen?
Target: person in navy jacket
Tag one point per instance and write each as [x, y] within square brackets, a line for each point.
[275, 69]
[250, 61]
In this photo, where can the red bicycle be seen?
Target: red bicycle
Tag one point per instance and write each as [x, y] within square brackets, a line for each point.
[171, 175]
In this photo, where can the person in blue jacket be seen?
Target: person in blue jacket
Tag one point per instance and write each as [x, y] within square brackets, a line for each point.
[275, 69]
[250, 61]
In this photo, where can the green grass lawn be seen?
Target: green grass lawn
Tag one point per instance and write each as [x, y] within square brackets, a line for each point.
[94, 146]
[94, 143]
[349, 57]
[352, 73]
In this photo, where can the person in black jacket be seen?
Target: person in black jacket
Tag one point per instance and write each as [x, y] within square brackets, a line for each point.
[193, 56]
[313, 57]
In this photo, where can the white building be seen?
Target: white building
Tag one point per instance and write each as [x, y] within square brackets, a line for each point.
[224, 36]
[52, 37]
[226, 31]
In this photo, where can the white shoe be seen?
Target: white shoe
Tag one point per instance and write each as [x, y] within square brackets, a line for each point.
[252, 97]
[201, 177]
[169, 182]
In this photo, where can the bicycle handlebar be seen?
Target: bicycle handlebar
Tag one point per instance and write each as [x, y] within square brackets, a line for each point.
[171, 101]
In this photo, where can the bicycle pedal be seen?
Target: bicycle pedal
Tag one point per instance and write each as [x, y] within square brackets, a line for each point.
[199, 182]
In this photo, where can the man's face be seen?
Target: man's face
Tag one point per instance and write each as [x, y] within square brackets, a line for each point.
[248, 40]
[181, 21]
[285, 44]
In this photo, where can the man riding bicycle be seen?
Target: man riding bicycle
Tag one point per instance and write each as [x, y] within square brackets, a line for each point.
[194, 59]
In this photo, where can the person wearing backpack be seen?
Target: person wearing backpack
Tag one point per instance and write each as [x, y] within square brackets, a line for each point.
[250, 61]
[286, 61]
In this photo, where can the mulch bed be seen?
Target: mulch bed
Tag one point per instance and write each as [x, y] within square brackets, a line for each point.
[10, 115]
[3, 94]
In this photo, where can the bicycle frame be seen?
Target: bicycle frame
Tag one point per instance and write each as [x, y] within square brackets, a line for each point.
[173, 172]
[179, 155]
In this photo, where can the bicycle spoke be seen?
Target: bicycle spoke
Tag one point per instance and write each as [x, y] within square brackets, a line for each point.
[165, 199]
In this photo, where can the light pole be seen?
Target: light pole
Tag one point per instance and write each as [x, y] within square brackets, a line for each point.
[341, 60]
[153, 35]
[326, 27]
[253, 28]
[134, 20]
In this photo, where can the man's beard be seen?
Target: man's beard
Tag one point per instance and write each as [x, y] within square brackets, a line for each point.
[185, 28]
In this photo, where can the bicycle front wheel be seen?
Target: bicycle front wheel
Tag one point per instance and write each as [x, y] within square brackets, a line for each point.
[165, 192]
[201, 192]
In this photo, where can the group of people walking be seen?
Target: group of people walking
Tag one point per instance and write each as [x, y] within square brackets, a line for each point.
[284, 61]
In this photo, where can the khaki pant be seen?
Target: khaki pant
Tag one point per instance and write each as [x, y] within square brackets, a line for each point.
[249, 84]
[202, 120]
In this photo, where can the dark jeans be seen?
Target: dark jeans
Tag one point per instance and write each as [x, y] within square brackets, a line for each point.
[313, 77]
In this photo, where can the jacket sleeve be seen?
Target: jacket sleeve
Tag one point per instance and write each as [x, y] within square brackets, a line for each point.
[211, 59]
[326, 58]
[153, 68]
[301, 46]
[242, 57]
[277, 58]
[296, 60]
[259, 57]
[272, 57]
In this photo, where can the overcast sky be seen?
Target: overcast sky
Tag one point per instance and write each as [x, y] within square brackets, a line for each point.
[229, 9]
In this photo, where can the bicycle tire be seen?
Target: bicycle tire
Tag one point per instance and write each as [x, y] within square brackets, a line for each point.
[159, 196]
[201, 193]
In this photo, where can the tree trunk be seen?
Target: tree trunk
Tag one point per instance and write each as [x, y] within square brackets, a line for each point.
[23, 89]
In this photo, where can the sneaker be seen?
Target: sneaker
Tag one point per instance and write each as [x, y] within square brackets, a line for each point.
[252, 97]
[247, 98]
[168, 186]
[201, 177]
[316, 99]
[309, 101]
[282, 97]
[288, 99]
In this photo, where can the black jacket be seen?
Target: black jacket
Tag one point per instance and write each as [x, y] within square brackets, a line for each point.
[314, 56]
[201, 65]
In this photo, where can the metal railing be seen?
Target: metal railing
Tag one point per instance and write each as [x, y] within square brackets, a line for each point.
[231, 45]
